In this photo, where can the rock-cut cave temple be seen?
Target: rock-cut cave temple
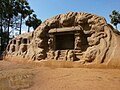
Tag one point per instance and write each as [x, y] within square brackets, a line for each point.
[75, 36]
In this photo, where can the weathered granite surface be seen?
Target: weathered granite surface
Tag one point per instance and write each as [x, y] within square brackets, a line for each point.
[75, 36]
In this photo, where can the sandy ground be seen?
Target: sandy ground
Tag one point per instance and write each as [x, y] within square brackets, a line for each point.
[14, 76]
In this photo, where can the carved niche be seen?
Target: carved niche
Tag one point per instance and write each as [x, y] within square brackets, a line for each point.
[64, 43]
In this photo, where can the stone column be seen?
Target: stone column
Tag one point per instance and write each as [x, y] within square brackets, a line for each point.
[77, 41]
[18, 42]
[51, 42]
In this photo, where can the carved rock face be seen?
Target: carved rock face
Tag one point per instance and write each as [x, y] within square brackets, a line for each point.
[12, 48]
[74, 36]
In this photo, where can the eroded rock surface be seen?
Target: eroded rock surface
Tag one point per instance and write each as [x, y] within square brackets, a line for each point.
[74, 36]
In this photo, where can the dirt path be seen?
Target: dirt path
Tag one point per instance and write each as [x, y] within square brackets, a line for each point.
[43, 78]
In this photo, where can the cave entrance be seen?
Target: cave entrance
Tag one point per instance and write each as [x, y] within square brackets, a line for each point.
[64, 41]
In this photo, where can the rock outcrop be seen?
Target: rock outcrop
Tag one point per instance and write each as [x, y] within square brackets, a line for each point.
[74, 36]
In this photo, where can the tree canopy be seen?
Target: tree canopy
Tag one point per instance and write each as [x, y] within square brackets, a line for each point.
[33, 22]
[115, 18]
[13, 15]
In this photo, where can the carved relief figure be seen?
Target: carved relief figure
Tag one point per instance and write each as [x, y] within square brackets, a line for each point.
[30, 55]
[78, 43]
[22, 50]
[57, 53]
[50, 43]
[12, 47]
[95, 38]
[39, 42]
[96, 44]
[39, 49]
[66, 54]
[23, 47]
[40, 54]
[67, 19]
[70, 56]
[51, 54]
[90, 54]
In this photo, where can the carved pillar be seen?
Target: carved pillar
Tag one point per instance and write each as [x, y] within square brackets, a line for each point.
[28, 41]
[51, 42]
[18, 42]
[77, 41]
[51, 47]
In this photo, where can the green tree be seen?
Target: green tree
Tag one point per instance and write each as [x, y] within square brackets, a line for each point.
[24, 10]
[2, 15]
[13, 14]
[115, 18]
[33, 21]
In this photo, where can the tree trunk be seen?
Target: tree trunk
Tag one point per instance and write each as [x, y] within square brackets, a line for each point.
[8, 31]
[1, 34]
[20, 25]
[28, 25]
[28, 29]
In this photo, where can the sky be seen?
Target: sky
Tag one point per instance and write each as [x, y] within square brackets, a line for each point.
[45, 9]
[48, 8]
